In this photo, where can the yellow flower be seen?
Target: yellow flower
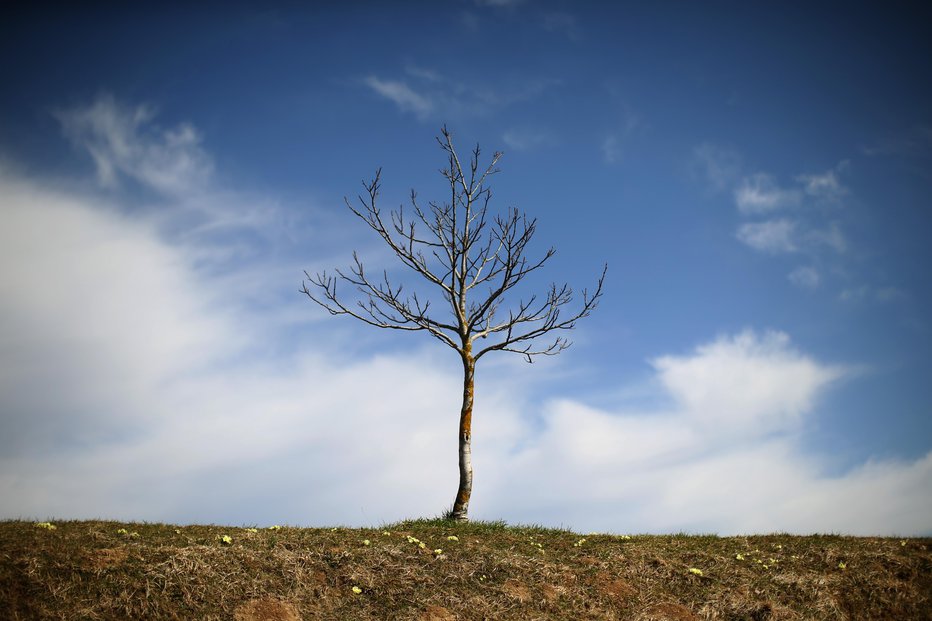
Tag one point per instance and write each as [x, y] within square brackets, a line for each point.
[453, 538]
[739, 557]
[625, 537]
[134, 534]
[438, 551]
[579, 543]
[902, 543]
[122, 531]
[46, 525]
[357, 590]
[413, 539]
[695, 571]
[365, 542]
[421, 545]
[226, 540]
[251, 530]
[386, 533]
[275, 527]
[178, 531]
[842, 566]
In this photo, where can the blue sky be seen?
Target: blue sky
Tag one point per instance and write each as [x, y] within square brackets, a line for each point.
[758, 180]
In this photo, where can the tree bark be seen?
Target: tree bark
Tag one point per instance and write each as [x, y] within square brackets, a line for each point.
[461, 504]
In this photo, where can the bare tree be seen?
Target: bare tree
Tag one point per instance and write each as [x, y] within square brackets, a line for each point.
[473, 262]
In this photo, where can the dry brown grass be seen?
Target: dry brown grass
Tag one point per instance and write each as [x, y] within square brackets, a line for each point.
[92, 570]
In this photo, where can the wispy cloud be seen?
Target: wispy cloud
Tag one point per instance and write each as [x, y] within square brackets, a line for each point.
[123, 141]
[615, 139]
[426, 93]
[801, 217]
[720, 166]
[805, 277]
[824, 186]
[830, 237]
[771, 236]
[563, 23]
[916, 141]
[611, 148]
[525, 139]
[872, 294]
[402, 96]
[759, 194]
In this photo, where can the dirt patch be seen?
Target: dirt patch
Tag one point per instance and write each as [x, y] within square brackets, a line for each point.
[266, 609]
[436, 613]
[614, 588]
[104, 558]
[552, 593]
[671, 612]
[517, 590]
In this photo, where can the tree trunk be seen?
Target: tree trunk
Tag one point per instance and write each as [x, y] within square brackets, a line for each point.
[461, 504]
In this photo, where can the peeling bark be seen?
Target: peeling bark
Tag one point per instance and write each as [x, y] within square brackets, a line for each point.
[463, 493]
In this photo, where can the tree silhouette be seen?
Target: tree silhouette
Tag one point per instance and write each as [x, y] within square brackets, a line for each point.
[473, 261]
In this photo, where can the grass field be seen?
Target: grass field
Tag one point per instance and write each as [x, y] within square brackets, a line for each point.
[433, 570]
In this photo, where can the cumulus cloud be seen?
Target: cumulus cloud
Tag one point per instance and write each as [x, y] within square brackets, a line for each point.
[123, 141]
[759, 193]
[132, 389]
[772, 236]
[724, 457]
[746, 381]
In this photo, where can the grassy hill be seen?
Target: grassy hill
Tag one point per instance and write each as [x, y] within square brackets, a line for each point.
[432, 570]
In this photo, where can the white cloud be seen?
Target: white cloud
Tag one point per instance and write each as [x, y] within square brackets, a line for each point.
[122, 140]
[132, 389]
[831, 237]
[759, 193]
[745, 382]
[805, 277]
[169, 393]
[724, 458]
[771, 236]
[611, 149]
[720, 166]
[401, 95]
[825, 186]
[527, 139]
[429, 92]
[873, 294]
